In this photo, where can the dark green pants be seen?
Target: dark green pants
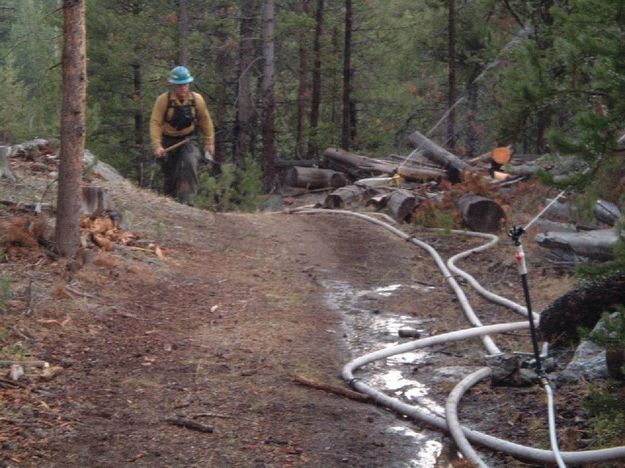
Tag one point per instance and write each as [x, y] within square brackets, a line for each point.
[180, 169]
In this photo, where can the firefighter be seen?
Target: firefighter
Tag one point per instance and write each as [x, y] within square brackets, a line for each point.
[177, 117]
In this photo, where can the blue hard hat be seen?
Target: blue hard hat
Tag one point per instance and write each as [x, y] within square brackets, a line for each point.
[180, 75]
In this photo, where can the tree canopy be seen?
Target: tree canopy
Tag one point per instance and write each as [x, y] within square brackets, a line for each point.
[542, 76]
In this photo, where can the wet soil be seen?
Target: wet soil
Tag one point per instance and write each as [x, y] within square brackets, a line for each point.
[217, 331]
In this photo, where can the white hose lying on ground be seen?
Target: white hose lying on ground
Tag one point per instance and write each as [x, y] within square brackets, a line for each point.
[462, 434]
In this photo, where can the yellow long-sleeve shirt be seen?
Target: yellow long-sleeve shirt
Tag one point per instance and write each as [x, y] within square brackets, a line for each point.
[159, 127]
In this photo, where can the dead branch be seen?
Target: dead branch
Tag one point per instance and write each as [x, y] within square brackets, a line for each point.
[332, 389]
[194, 426]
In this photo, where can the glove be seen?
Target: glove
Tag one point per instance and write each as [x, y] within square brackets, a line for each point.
[208, 157]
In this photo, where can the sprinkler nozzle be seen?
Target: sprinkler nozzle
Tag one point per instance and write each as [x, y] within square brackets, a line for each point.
[515, 234]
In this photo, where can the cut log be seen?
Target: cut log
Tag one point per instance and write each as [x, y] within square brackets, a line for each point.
[606, 212]
[448, 161]
[5, 170]
[597, 245]
[479, 213]
[401, 204]
[344, 196]
[378, 202]
[522, 169]
[581, 307]
[360, 167]
[95, 200]
[421, 173]
[314, 178]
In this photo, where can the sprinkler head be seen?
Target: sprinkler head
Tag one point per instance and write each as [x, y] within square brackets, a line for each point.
[515, 234]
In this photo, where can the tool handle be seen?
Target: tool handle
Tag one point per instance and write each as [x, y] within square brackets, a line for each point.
[176, 145]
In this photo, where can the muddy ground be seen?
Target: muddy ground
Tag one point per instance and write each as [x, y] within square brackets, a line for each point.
[217, 330]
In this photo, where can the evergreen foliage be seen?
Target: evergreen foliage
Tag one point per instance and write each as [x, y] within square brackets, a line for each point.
[542, 79]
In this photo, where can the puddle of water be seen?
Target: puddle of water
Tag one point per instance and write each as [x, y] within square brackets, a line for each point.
[429, 450]
[366, 329]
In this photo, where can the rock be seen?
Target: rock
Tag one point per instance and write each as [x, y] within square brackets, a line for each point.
[507, 370]
[106, 171]
[588, 362]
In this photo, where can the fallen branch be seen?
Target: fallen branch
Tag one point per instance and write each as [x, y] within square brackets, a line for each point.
[332, 389]
[38, 364]
[194, 426]
[213, 415]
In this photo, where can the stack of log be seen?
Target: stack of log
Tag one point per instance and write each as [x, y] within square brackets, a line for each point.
[395, 184]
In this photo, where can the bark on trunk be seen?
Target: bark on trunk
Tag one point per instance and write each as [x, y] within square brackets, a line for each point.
[451, 163]
[303, 90]
[581, 307]
[451, 64]
[346, 127]
[314, 178]
[479, 213]
[245, 109]
[360, 167]
[67, 231]
[267, 91]
[183, 33]
[223, 62]
[5, 170]
[313, 148]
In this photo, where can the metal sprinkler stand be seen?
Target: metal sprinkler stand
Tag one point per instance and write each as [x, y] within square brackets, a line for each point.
[515, 234]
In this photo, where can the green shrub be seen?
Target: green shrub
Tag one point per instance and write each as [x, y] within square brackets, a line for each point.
[612, 331]
[231, 190]
[5, 291]
[606, 412]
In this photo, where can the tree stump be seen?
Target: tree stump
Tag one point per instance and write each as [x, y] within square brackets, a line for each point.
[479, 213]
[94, 200]
[5, 170]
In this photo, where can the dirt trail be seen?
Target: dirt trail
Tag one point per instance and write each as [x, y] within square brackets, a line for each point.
[215, 332]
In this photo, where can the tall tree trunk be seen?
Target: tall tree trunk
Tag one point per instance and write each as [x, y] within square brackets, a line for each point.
[267, 92]
[67, 230]
[313, 148]
[303, 91]
[137, 98]
[451, 61]
[346, 130]
[223, 64]
[183, 33]
[245, 106]
[471, 133]
[335, 92]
